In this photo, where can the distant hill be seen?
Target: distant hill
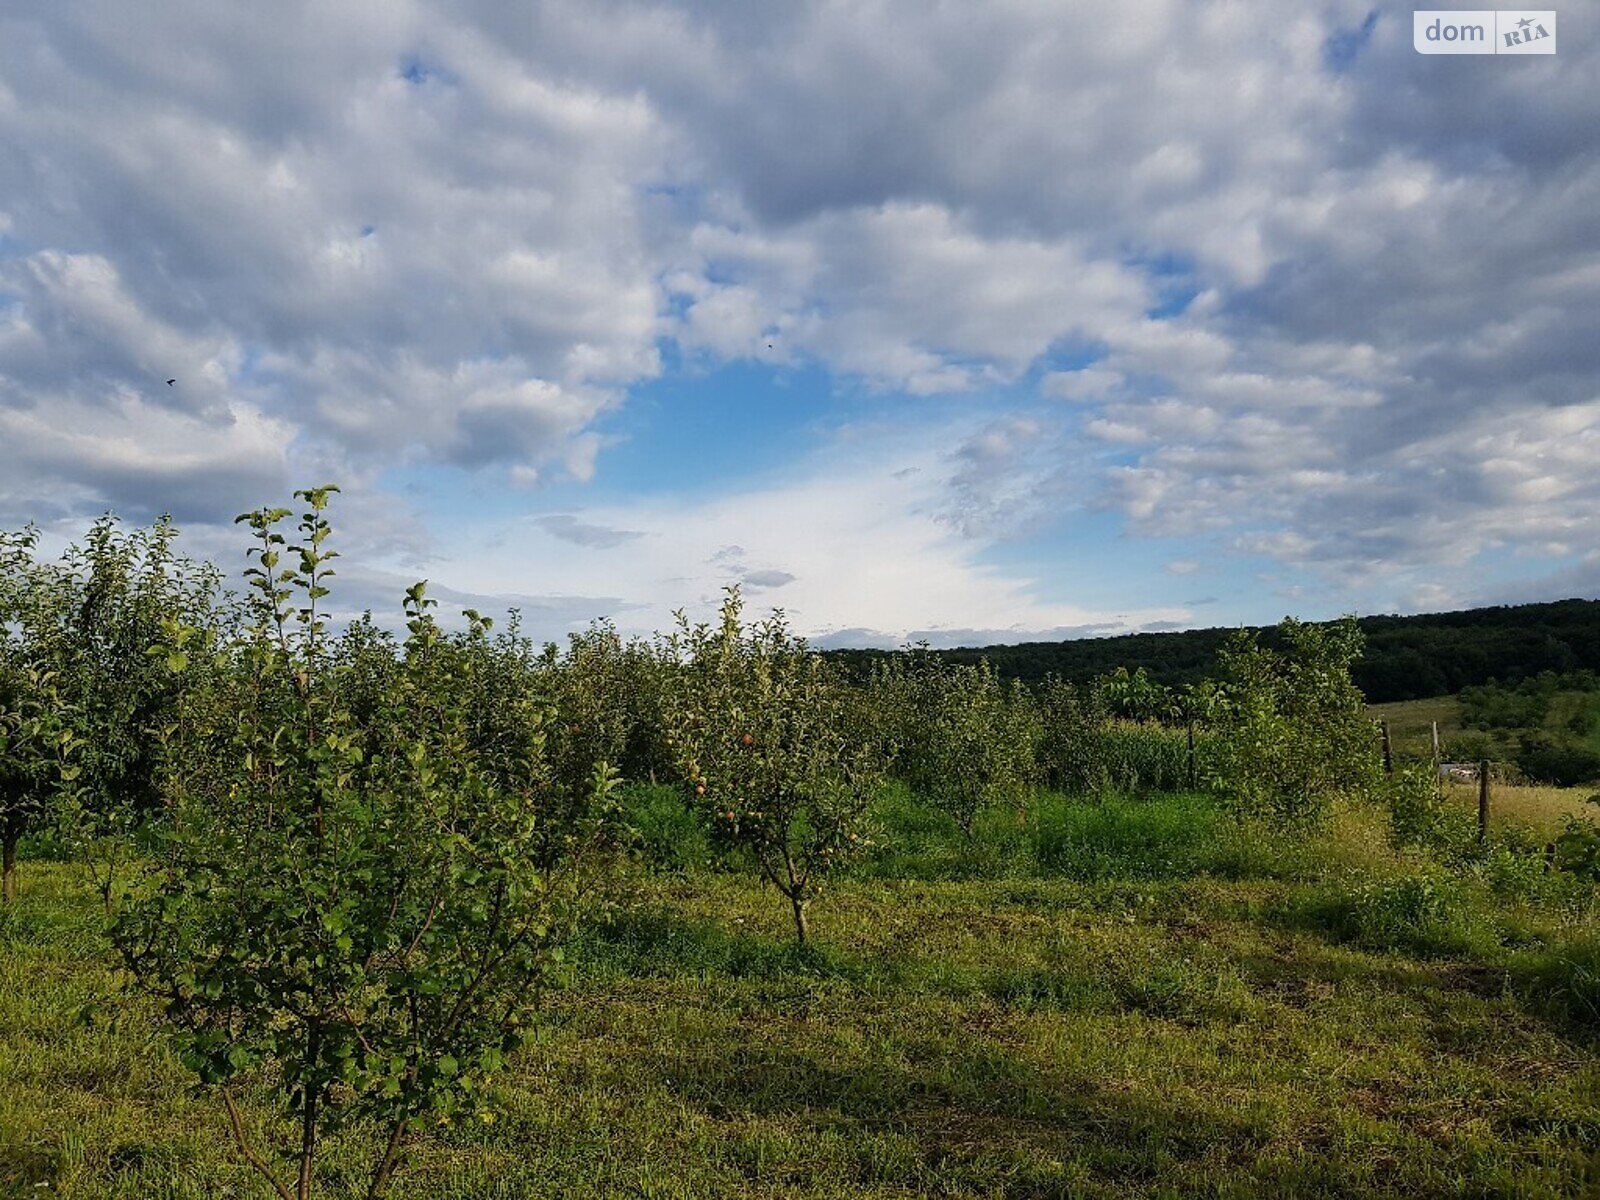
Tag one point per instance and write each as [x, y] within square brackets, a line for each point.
[1407, 658]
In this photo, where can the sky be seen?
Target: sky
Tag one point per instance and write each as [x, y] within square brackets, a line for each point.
[972, 323]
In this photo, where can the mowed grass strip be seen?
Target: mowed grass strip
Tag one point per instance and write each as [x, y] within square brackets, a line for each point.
[1123, 1012]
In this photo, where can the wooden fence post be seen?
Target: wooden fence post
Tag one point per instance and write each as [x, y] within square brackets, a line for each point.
[1436, 747]
[1483, 801]
[1388, 752]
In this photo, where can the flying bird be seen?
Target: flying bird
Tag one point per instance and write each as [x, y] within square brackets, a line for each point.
[170, 382]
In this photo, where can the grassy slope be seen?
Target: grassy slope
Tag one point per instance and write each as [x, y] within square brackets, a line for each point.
[1187, 1014]
[1539, 806]
[1409, 723]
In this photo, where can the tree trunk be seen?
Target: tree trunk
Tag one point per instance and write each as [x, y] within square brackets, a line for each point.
[802, 928]
[308, 1115]
[8, 888]
[796, 891]
[308, 1146]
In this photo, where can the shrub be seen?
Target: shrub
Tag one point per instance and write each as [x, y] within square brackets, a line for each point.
[1493, 706]
[1578, 849]
[1418, 812]
[1470, 747]
[1556, 761]
[1513, 871]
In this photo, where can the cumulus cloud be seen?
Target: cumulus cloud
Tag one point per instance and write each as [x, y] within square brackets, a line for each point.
[381, 228]
[1008, 477]
[1086, 383]
[906, 295]
[731, 563]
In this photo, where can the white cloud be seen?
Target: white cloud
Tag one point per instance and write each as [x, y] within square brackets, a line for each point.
[860, 543]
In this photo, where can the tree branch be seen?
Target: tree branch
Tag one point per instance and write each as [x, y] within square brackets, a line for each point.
[254, 1159]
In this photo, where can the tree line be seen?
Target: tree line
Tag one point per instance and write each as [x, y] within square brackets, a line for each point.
[1405, 657]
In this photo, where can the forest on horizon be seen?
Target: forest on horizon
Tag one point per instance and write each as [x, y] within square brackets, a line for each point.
[1406, 657]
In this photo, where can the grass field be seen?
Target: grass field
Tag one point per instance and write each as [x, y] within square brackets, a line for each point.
[1543, 809]
[1537, 807]
[1410, 723]
[1132, 998]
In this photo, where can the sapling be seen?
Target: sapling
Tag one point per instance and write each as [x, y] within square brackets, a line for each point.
[1292, 727]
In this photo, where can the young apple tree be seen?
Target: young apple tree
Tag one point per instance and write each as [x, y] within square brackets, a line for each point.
[775, 747]
[1292, 730]
[128, 590]
[963, 740]
[37, 746]
[356, 899]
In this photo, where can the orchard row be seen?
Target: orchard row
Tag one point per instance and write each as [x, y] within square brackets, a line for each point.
[348, 856]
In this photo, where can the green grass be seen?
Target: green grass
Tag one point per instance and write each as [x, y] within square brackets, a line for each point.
[1117, 999]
